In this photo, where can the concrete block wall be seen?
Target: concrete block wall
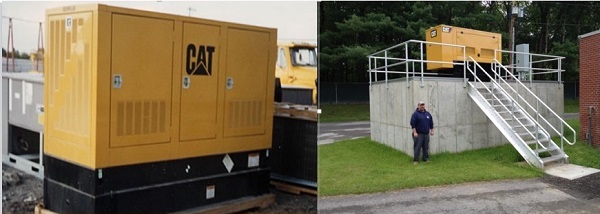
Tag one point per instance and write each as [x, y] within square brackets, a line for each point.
[460, 124]
[589, 87]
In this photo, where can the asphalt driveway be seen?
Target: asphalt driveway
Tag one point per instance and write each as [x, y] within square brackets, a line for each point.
[540, 195]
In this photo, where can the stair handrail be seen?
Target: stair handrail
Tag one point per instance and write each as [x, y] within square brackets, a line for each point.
[538, 143]
[563, 123]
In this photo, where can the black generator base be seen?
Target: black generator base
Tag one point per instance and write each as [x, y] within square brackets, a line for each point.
[158, 187]
[294, 153]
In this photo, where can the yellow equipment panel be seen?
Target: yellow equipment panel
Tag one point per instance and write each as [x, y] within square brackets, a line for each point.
[200, 81]
[245, 101]
[142, 68]
[67, 89]
[478, 44]
[126, 86]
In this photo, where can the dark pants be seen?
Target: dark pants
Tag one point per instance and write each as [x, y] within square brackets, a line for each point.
[421, 142]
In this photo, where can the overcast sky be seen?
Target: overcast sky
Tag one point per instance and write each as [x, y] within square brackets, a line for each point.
[295, 21]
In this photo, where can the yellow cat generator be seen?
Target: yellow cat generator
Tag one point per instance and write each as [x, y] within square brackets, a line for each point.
[152, 112]
[478, 44]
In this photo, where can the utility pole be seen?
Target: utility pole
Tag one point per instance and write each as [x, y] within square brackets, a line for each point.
[10, 49]
[190, 9]
[39, 55]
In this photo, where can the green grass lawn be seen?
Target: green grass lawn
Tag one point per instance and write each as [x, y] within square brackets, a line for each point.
[571, 105]
[581, 153]
[363, 166]
[344, 112]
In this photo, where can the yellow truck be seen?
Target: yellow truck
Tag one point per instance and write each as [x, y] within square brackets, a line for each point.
[297, 70]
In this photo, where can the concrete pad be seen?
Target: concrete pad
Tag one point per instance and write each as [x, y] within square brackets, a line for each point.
[569, 171]
[326, 141]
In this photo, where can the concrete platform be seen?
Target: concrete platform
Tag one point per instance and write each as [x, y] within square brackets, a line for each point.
[569, 171]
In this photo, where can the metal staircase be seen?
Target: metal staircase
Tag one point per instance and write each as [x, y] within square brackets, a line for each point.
[511, 114]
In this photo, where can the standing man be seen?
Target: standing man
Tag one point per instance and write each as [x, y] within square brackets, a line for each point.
[422, 126]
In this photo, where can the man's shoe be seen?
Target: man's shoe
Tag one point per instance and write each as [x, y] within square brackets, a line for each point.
[416, 162]
[426, 161]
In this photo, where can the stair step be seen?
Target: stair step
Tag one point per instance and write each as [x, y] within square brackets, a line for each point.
[552, 159]
[522, 126]
[530, 142]
[497, 99]
[525, 134]
[518, 118]
[503, 112]
[547, 149]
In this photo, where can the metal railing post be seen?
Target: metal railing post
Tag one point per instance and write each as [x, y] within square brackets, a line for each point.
[386, 69]
[559, 72]
[537, 118]
[562, 127]
[530, 65]
[530, 78]
[421, 46]
[406, 65]
[376, 72]
[465, 80]
[370, 80]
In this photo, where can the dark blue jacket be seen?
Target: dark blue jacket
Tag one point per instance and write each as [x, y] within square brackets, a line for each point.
[422, 121]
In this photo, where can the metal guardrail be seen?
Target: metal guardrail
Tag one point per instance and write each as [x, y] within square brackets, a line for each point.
[539, 64]
[397, 60]
[382, 61]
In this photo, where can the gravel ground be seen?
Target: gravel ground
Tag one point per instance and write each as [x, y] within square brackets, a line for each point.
[21, 192]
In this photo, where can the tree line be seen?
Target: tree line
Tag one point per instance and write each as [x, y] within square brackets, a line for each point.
[349, 31]
[18, 55]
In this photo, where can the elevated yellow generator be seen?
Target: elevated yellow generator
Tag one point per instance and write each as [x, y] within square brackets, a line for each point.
[478, 44]
[152, 112]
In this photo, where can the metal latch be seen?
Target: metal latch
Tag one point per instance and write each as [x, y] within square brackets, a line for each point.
[117, 81]
[229, 83]
[186, 82]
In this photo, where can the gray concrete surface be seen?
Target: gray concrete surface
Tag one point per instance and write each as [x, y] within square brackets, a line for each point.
[460, 124]
[570, 116]
[333, 132]
[512, 196]
[569, 171]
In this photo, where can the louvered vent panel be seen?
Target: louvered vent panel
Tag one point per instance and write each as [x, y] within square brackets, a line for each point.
[245, 114]
[141, 117]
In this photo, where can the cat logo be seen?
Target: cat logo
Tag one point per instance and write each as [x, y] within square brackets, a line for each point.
[199, 60]
[433, 33]
[446, 29]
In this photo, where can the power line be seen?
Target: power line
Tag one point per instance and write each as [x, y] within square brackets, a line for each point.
[538, 23]
[20, 19]
[571, 4]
